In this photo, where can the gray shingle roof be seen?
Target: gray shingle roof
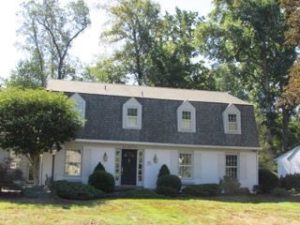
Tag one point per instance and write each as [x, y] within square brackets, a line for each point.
[159, 115]
[143, 92]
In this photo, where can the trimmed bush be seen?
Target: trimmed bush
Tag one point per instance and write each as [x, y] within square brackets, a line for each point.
[267, 181]
[10, 178]
[164, 170]
[171, 181]
[230, 185]
[99, 167]
[202, 190]
[290, 181]
[280, 192]
[75, 190]
[103, 181]
[167, 191]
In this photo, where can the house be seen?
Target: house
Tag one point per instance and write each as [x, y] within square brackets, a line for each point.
[289, 162]
[133, 130]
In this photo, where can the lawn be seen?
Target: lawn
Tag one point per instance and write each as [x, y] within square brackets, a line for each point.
[225, 210]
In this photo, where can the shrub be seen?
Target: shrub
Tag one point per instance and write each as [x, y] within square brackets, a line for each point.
[103, 181]
[9, 177]
[280, 192]
[290, 181]
[167, 191]
[202, 190]
[164, 170]
[99, 167]
[170, 181]
[35, 192]
[75, 190]
[267, 181]
[229, 185]
[140, 193]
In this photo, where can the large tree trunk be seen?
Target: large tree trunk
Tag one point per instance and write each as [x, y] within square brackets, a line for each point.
[35, 160]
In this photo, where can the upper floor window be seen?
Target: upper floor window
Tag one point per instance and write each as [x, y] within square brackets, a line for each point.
[73, 162]
[132, 114]
[231, 164]
[79, 104]
[186, 117]
[232, 120]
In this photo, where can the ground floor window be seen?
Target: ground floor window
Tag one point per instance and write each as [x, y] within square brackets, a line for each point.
[185, 165]
[232, 166]
[73, 162]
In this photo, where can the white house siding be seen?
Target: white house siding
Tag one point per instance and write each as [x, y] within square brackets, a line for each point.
[208, 164]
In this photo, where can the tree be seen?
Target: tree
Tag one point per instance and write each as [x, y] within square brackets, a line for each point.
[133, 23]
[49, 29]
[291, 95]
[250, 36]
[36, 121]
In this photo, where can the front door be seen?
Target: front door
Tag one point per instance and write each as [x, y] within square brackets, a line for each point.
[129, 160]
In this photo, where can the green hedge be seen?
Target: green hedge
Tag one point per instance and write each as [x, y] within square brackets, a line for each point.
[202, 190]
[290, 181]
[267, 181]
[103, 181]
[75, 190]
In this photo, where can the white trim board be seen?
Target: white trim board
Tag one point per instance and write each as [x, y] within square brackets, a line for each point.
[216, 147]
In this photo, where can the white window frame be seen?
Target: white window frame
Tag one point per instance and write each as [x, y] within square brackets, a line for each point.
[134, 104]
[191, 166]
[80, 104]
[65, 162]
[237, 164]
[186, 107]
[232, 109]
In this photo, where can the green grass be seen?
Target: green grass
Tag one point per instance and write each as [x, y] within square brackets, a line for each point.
[222, 210]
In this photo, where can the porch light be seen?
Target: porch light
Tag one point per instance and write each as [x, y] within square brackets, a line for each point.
[155, 159]
[105, 157]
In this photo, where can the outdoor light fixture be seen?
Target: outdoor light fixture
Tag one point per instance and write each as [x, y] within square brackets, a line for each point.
[105, 157]
[155, 159]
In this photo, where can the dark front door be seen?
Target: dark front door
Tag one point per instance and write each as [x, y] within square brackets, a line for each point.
[129, 160]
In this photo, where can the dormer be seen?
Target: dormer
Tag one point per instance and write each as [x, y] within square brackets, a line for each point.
[79, 104]
[186, 117]
[232, 120]
[132, 114]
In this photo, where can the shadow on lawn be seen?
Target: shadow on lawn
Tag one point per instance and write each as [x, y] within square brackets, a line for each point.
[50, 200]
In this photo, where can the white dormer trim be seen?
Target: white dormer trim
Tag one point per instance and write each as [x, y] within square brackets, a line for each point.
[186, 106]
[132, 103]
[232, 109]
[80, 104]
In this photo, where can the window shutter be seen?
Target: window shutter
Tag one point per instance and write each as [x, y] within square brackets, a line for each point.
[243, 166]
[221, 164]
[174, 162]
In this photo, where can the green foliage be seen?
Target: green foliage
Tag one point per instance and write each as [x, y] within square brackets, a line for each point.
[76, 191]
[290, 181]
[103, 181]
[99, 167]
[202, 190]
[229, 185]
[35, 192]
[280, 192]
[167, 191]
[140, 193]
[170, 181]
[164, 170]
[33, 121]
[267, 180]
[9, 177]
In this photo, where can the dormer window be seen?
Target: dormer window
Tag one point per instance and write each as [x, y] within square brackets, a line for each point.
[186, 117]
[132, 114]
[79, 104]
[232, 120]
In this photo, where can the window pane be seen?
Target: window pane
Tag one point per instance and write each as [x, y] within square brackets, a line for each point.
[232, 117]
[231, 160]
[186, 115]
[232, 126]
[73, 162]
[132, 121]
[186, 124]
[132, 112]
[232, 166]
[185, 159]
[185, 171]
[185, 165]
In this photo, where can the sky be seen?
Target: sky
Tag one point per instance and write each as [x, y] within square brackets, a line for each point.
[87, 47]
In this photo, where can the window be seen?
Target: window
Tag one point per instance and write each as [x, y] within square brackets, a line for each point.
[232, 120]
[186, 117]
[132, 114]
[73, 162]
[232, 166]
[79, 104]
[118, 166]
[185, 165]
